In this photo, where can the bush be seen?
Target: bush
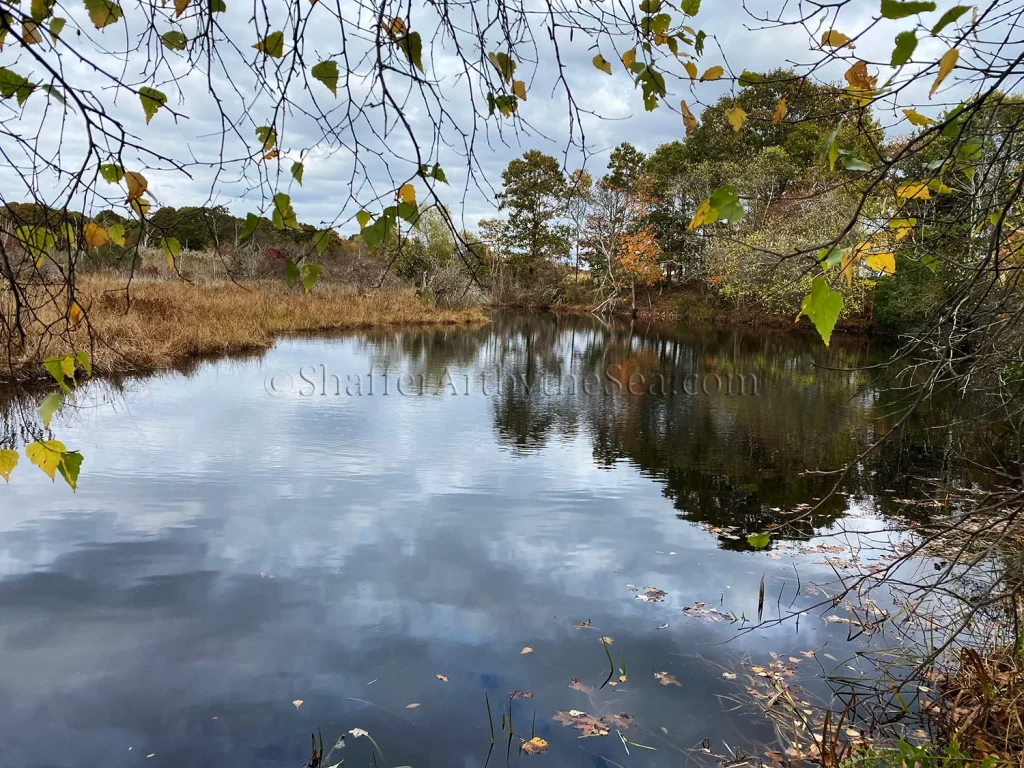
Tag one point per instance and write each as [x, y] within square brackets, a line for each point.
[904, 302]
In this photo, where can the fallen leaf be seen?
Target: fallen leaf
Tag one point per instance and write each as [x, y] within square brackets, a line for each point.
[442, 678]
[589, 725]
[521, 695]
[605, 640]
[535, 746]
[527, 649]
[411, 706]
[830, 656]
[729, 675]
[297, 703]
[651, 595]
[583, 624]
[667, 678]
[576, 685]
[662, 626]
[702, 611]
[152, 754]
[795, 660]
[357, 732]
[807, 654]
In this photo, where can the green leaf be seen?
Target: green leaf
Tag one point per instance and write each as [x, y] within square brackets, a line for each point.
[377, 233]
[37, 241]
[171, 248]
[272, 45]
[53, 91]
[832, 148]
[650, 6]
[152, 100]
[727, 203]
[8, 461]
[822, 305]
[83, 357]
[69, 467]
[855, 164]
[327, 73]
[893, 9]
[111, 173]
[13, 84]
[749, 78]
[218, 6]
[409, 212]
[174, 40]
[267, 135]
[831, 257]
[949, 17]
[603, 64]
[50, 405]
[906, 42]
[284, 214]
[103, 13]
[321, 240]
[56, 27]
[251, 222]
[291, 273]
[412, 46]
[297, 171]
[310, 274]
[363, 217]
[698, 42]
[41, 9]
[759, 540]
[690, 7]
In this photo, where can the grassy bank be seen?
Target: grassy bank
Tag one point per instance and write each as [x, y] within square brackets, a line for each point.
[164, 324]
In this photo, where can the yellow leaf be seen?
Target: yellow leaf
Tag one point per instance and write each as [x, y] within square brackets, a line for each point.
[8, 461]
[850, 257]
[95, 235]
[946, 64]
[689, 121]
[407, 194]
[519, 89]
[700, 215]
[67, 364]
[780, 111]
[396, 28]
[712, 73]
[902, 228]
[535, 746]
[916, 118]
[602, 63]
[46, 454]
[691, 70]
[140, 206]
[442, 678]
[30, 34]
[882, 262]
[835, 39]
[180, 6]
[271, 154]
[297, 703]
[857, 76]
[137, 185]
[527, 649]
[736, 117]
[914, 190]
[629, 57]
[75, 313]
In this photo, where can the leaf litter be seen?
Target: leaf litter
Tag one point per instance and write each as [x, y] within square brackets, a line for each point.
[576, 685]
[589, 725]
[667, 678]
[651, 595]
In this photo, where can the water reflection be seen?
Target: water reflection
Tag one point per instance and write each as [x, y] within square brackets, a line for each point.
[229, 552]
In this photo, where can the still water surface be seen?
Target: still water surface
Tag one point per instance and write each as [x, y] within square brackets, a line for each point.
[232, 549]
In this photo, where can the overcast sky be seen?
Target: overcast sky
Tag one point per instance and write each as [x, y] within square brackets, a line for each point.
[197, 135]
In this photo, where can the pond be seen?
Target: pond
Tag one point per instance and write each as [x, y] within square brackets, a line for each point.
[258, 551]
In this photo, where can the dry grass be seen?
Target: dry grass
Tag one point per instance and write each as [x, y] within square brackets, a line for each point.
[166, 324]
[982, 704]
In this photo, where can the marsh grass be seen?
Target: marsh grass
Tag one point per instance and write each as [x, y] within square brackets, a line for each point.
[153, 325]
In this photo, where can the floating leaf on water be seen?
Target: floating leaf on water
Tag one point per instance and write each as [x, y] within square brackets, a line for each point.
[297, 703]
[521, 695]
[667, 678]
[651, 595]
[442, 678]
[576, 685]
[527, 649]
[759, 540]
[729, 675]
[662, 626]
[589, 725]
[583, 624]
[535, 746]
[703, 611]
[357, 732]
[411, 706]
[605, 640]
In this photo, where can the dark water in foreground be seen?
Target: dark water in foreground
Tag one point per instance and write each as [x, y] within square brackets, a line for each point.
[229, 552]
